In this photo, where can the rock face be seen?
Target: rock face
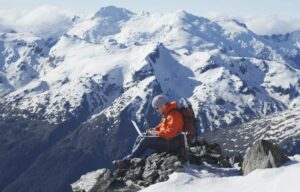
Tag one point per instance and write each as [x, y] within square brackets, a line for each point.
[153, 169]
[263, 154]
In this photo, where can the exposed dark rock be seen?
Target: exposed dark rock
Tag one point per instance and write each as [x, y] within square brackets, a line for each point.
[236, 159]
[142, 173]
[278, 38]
[212, 65]
[143, 73]
[291, 91]
[209, 153]
[154, 55]
[153, 169]
[220, 101]
[263, 154]
[243, 67]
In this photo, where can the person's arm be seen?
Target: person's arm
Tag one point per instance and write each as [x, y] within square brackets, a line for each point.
[172, 125]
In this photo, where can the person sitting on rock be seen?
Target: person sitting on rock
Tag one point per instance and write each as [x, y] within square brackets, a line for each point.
[163, 138]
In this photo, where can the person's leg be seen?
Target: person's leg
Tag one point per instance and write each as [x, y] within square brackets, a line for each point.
[175, 145]
[145, 143]
[125, 162]
[137, 141]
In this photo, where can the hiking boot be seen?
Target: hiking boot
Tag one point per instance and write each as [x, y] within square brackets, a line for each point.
[120, 164]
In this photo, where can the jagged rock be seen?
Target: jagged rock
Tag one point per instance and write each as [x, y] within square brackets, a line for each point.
[224, 163]
[209, 153]
[150, 175]
[100, 180]
[142, 173]
[103, 182]
[263, 154]
[157, 168]
[236, 159]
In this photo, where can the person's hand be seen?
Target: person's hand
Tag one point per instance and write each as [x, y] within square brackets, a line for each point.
[151, 132]
[148, 132]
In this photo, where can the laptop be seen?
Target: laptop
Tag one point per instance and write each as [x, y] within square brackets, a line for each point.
[139, 131]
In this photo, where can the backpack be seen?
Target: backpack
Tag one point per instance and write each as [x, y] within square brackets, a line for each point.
[187, 112]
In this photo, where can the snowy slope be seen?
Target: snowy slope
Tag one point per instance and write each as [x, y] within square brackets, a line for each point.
[283, 128]
[23, 58]
[284, 178]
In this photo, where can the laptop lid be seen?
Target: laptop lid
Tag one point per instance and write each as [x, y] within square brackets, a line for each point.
[137, 128]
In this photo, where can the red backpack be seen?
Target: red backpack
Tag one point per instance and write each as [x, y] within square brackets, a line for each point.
[189, 126]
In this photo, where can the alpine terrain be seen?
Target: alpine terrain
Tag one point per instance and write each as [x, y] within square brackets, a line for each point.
[67, 101]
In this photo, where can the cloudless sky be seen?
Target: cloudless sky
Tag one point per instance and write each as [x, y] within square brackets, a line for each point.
[288, 8]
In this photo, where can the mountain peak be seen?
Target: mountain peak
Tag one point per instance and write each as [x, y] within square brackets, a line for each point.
[182, 14]
[114, 13]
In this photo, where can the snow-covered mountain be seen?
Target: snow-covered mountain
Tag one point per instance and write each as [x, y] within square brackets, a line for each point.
[24, 58]
[288, 45]
[283, 128]
[75, 98]
[105, 22]
[212, 64]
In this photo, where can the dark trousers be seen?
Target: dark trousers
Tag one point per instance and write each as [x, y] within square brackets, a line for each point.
[142, 144]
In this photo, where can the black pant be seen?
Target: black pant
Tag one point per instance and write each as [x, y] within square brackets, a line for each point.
[158, 144]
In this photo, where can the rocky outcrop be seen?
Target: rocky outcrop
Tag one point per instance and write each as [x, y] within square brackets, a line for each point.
[158, 166]
[263, 154]
[142, 173]
[211, 154]
[153, 169]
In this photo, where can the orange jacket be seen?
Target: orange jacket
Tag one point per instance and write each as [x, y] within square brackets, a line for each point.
[172, 124]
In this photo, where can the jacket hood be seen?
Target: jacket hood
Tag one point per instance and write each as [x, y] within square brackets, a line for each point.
[170, 106]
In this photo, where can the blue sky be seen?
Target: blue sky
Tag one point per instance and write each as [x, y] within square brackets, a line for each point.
[264, 17]
[198, 7]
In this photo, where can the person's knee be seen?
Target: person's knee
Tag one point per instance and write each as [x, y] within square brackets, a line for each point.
[147, 142]
[142, 142]
[138, 139]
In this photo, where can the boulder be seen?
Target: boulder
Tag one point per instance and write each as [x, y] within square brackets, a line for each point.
[263, 154]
